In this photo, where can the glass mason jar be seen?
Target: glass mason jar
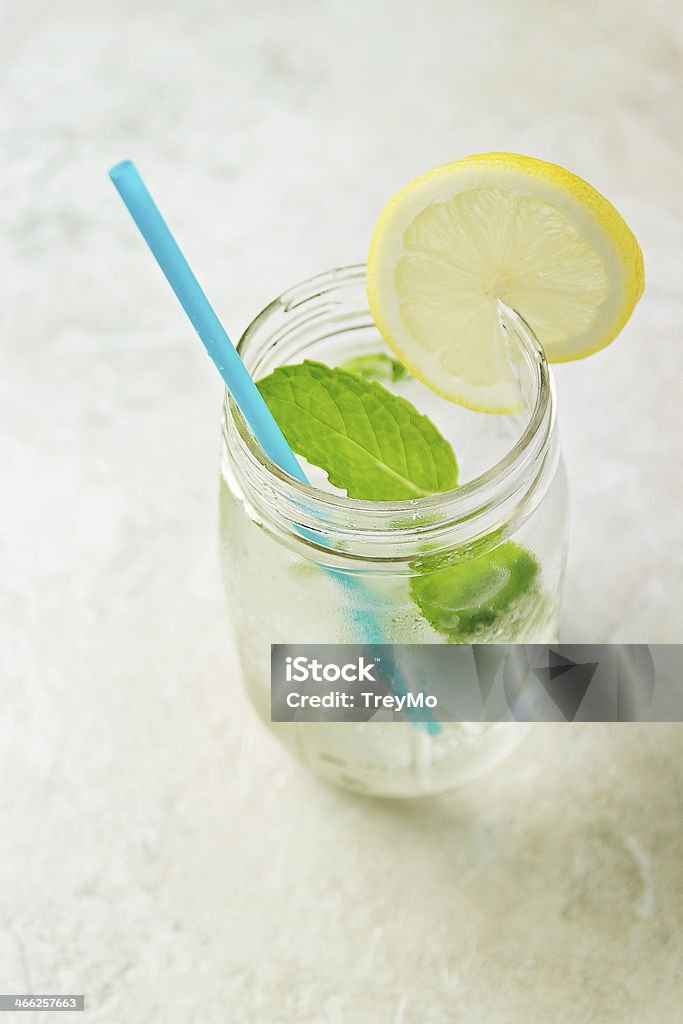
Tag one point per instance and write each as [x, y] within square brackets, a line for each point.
[427, 570]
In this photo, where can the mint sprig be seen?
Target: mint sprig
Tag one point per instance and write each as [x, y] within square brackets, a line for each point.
[376, 446]
[371, 443]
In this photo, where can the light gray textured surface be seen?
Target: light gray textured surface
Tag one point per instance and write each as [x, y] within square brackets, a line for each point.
[157, 851]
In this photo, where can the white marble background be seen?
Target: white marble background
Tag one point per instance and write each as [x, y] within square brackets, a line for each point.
[157, 851]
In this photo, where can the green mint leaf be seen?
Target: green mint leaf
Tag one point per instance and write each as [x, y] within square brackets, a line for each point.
[371, 443]
[376, 366]
[464, 600]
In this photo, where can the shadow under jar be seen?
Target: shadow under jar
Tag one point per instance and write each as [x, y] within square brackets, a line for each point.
[305, 564]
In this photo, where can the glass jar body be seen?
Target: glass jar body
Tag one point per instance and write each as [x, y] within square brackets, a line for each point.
[285, 589]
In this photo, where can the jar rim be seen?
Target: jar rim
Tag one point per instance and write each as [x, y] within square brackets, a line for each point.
[456, 502]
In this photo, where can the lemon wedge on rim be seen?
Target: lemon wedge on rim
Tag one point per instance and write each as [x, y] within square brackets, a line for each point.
[498, 227]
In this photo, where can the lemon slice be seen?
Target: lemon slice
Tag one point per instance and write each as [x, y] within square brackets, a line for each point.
[495, 227]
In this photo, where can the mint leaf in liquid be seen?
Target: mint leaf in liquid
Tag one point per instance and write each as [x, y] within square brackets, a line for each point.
[376, 366]
[464, 600]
